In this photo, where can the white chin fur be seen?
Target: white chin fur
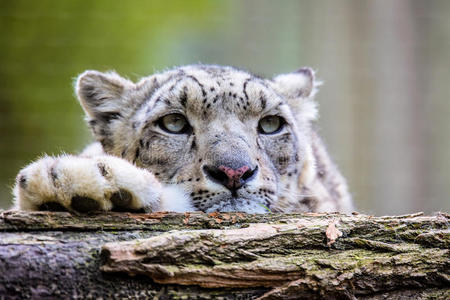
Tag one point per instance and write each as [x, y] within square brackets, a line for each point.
[174, 198]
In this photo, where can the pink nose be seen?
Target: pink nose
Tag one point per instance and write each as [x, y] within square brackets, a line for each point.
[232, 179]
[234, 176]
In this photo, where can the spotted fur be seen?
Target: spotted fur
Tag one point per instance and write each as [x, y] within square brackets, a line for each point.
[136, 165]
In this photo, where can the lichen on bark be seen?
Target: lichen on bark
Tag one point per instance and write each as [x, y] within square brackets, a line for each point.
[224, 255]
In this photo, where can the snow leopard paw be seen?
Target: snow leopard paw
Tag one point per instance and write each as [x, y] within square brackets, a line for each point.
[80, 184]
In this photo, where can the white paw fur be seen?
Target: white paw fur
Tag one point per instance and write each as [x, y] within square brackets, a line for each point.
[104, 179]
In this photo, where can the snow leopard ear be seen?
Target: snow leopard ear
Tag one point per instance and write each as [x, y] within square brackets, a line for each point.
[298, 84]
[299, 88]
[102, 94]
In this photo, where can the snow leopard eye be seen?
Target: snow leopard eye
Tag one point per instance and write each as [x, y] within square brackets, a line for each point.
[270, 124]
[174, 123]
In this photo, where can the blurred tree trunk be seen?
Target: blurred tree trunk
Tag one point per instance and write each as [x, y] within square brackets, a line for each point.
[399, 110]
[227, 255]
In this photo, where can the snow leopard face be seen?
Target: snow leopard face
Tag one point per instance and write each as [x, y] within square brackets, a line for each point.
[230, 140]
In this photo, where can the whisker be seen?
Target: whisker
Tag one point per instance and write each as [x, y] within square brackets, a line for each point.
[296, 194]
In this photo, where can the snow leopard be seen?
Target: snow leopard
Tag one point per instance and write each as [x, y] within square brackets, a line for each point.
[193, 138]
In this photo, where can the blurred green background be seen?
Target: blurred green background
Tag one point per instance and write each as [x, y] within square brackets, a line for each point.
[385, 107]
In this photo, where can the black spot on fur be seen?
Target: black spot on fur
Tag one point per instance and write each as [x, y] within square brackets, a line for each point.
[259, 146]
[102, 168]
[245, 88]
[52, 206]
[199, 84]
[121, 199]
[183, 97]
[310, 202]
[136, 154]
[106, 117]
[212, 89]
[141, 143]
[22, 180]
[106, 143]
[283, 160]
[158, 161]
[53, 174]
[90, 92]
[84, 204]
[149, 92]
[175, 172]
[193, 145]
[263, 101]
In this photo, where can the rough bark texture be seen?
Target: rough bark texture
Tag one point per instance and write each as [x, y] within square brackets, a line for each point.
[224, 255]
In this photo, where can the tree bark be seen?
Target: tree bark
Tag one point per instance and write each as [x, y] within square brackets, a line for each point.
[224, 255]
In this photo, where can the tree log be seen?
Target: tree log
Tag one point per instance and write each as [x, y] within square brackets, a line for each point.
[223, 255]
